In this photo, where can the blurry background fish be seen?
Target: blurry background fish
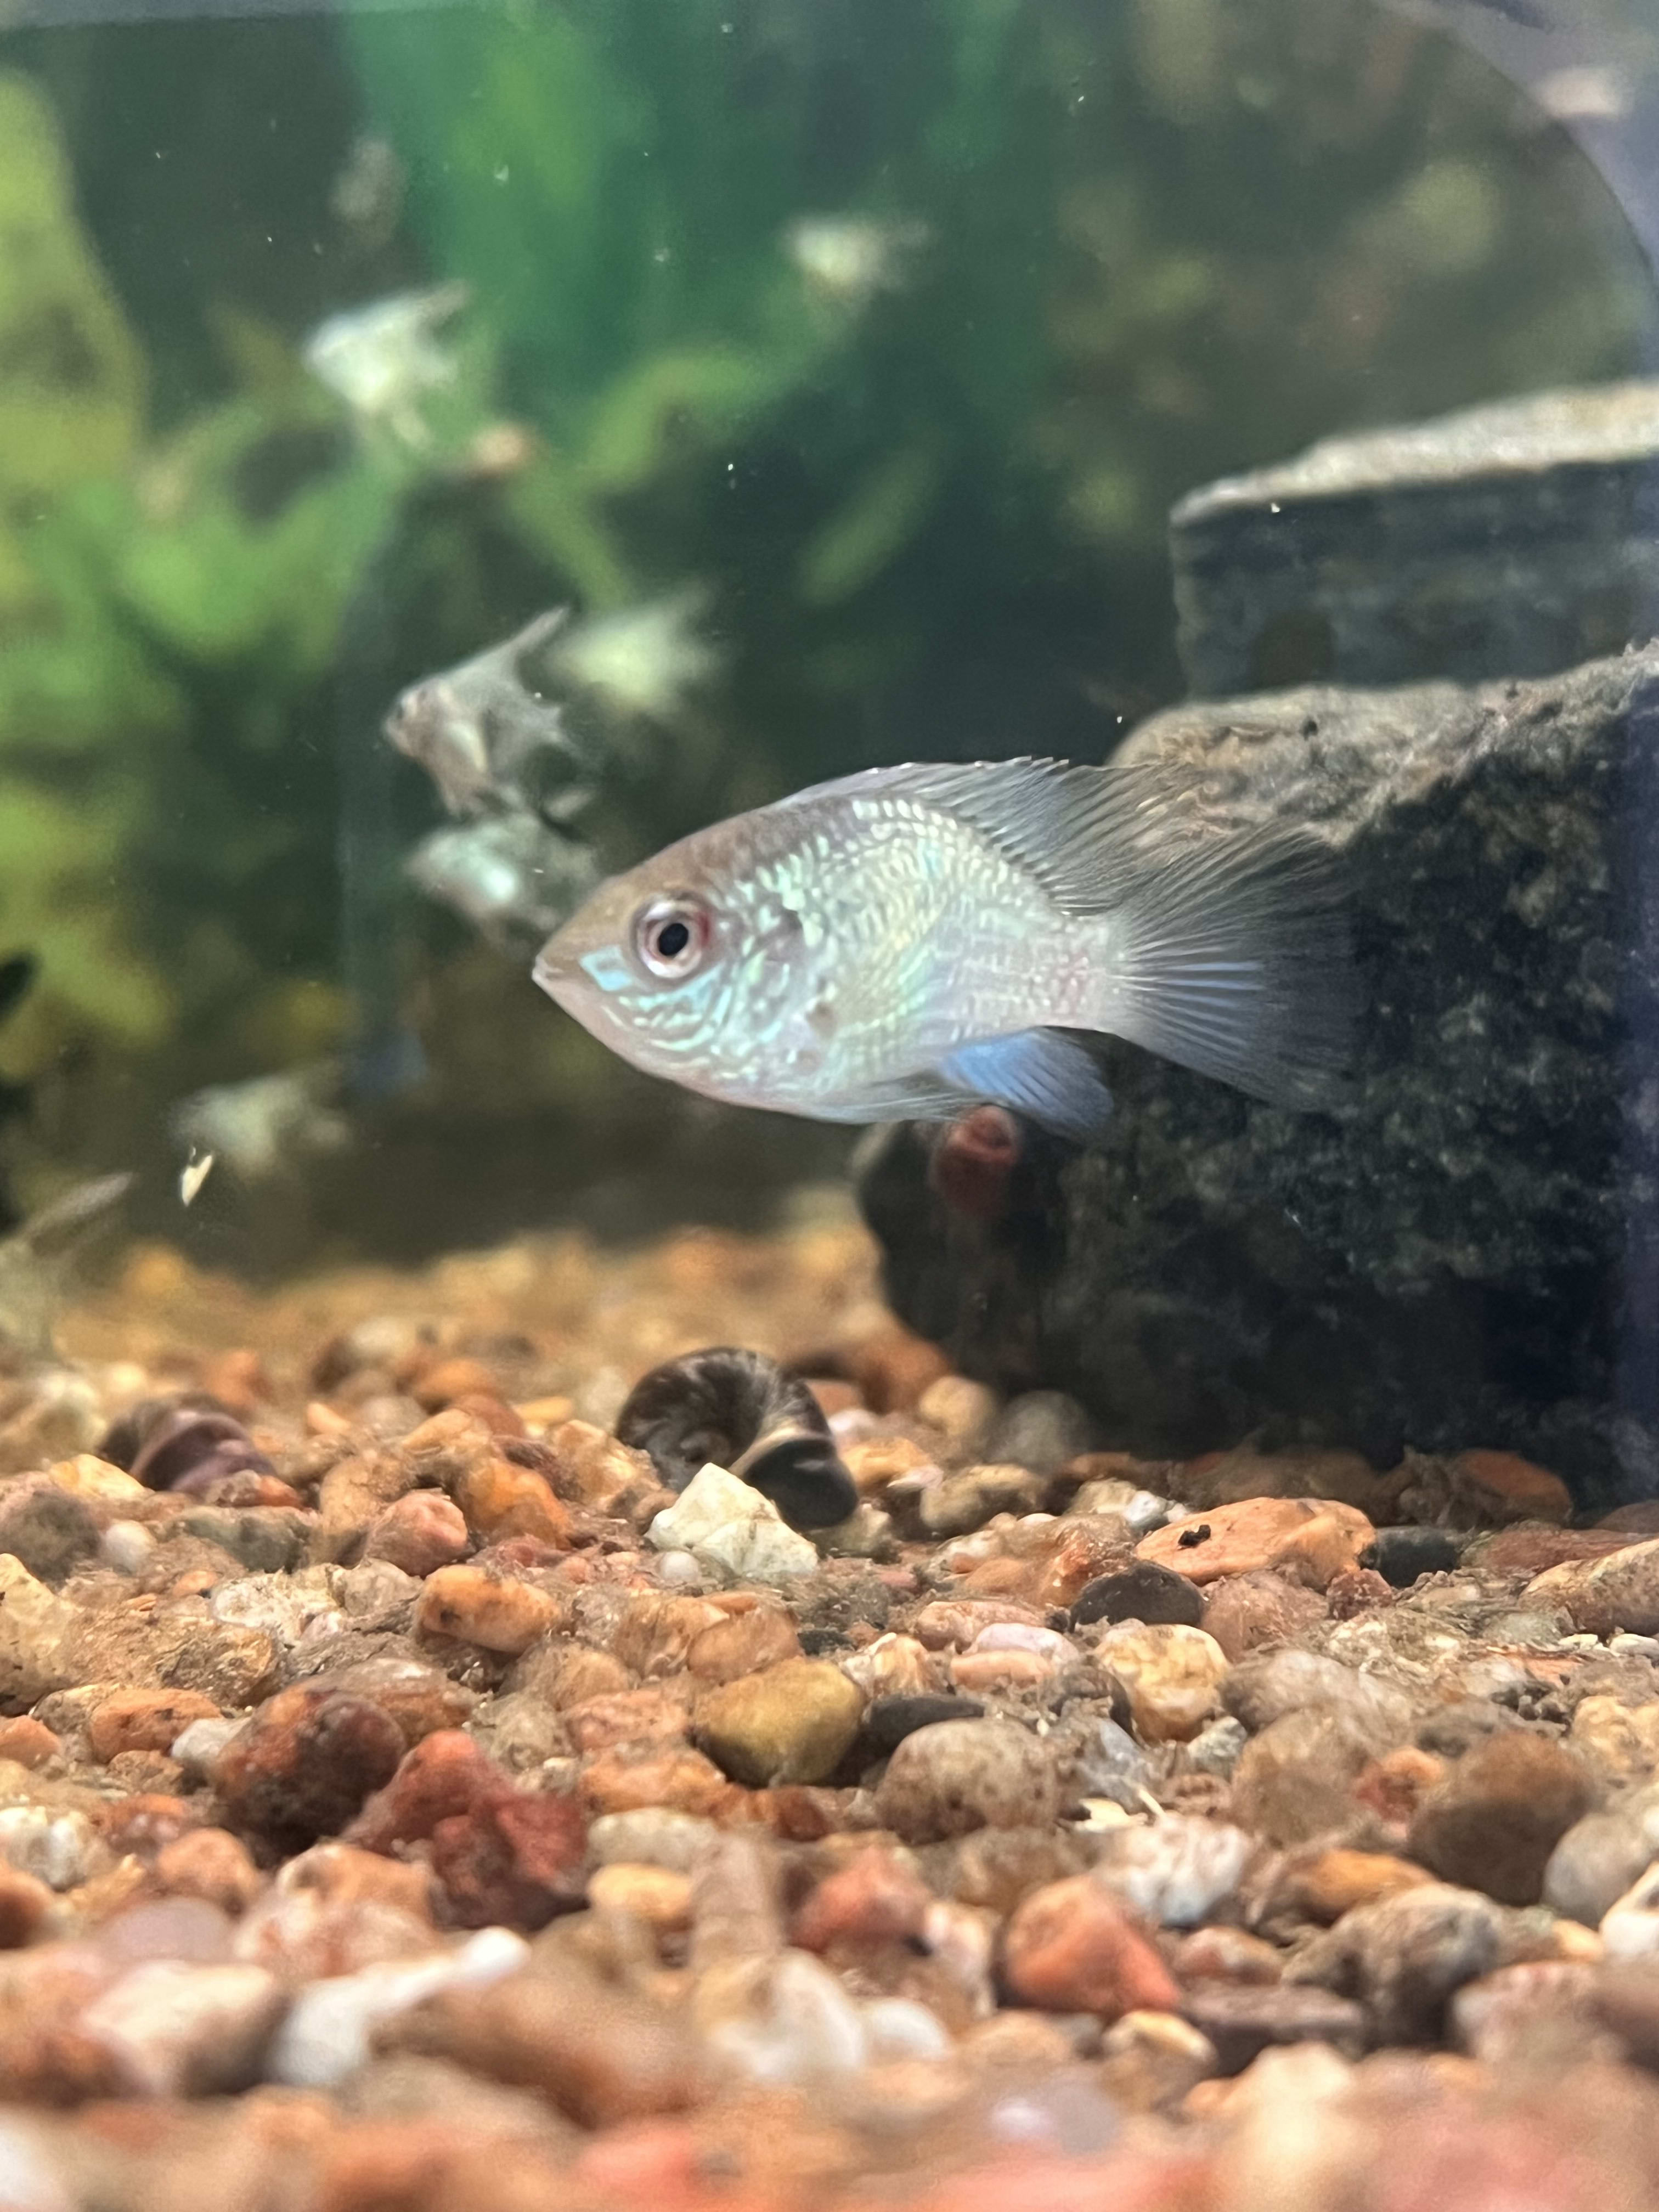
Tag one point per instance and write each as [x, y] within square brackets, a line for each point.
[501, 745]
[39, 1262]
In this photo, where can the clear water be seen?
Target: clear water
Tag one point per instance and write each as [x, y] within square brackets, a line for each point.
[863, 349]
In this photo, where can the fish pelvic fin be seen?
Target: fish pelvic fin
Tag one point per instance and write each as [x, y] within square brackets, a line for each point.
[1050, 1079]
[1231, 957]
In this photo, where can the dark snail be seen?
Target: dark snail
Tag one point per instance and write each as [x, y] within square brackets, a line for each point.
[742, 1412]
[182, 1443]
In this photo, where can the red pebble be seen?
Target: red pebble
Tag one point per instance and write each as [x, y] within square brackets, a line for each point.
[875, 1899]
[445, 1777]
[512, 1861]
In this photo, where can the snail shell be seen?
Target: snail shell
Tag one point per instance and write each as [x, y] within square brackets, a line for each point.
[742, 1411]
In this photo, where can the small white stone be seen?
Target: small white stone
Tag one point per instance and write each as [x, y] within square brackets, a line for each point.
[730, 1528]
[27, 2182]
[1630, 1927]
[781, 2020]
[327, 2032]
[651, 1835]
[679, 1570]
[1174, 1870]
[177, 2030]
[125, 1545]
[281, 1606]
[197, 1748]
[1024, 1636]
[58, 1849]
[899, 2027]
[711, 1499]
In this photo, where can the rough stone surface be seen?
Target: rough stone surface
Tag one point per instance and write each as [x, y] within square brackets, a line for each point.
[1072, 1947]
[1213, 1265]
[1306, 1540]
[1173, 1675]
[1145, 1592]
[1405, 1955]
[1493, 1823]
[792, 1722]
[963, 1775]
[1503, 540]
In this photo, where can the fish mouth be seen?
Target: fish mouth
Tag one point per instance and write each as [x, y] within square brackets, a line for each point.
[548, 972]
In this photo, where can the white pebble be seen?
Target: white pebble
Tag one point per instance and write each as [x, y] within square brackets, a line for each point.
[1025, 1635]
[1630, 1927]
[197, 1748]
[56, 1847]
[327, 2032]
[1176, 1871]
[679, 1570]
[781, 2020]
[126, 1547]
[899, 2027]
[177, 2029]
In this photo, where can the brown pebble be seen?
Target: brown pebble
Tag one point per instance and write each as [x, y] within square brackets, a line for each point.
[734, 1647]
[420, 1532]
[1500, 1811]
[209, 1864]
[28, 1742]
[25, 1902]
[501, 1500]
[436, 1387]
[472, 1606]
[961, 1774]
[144, 1720]
[1249, 1612]
[1308, 1540]
[304, 1763]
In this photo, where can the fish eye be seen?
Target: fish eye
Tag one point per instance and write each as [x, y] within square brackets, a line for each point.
[671, 935]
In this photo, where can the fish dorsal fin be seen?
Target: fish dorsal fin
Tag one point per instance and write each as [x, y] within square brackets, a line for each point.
[1075, 829]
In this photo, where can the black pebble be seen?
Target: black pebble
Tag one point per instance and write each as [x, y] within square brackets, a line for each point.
[890, 1720]
[819, 1643]
[1144, 1592]
[1401, 1555]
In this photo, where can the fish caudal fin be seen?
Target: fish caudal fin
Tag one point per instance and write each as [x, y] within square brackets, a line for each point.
[1231, 958]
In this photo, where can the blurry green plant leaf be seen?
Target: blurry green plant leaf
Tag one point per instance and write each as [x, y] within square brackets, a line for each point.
[877, 522]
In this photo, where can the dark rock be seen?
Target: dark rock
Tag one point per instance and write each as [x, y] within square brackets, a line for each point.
[1144, 1592]
[890, 1720]
[1503, 540]
[1404, 1556]
[1242, 2020]
[1443, 1258]
[1406, 1955]
[268, 1540]
[304, 1764]
[49, 1529]
[1494, 1822]
[1040, 1430]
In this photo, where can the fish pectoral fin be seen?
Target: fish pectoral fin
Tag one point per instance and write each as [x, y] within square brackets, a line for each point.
[1047, 1076]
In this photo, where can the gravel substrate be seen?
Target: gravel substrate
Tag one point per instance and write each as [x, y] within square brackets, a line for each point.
[409, 1804]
